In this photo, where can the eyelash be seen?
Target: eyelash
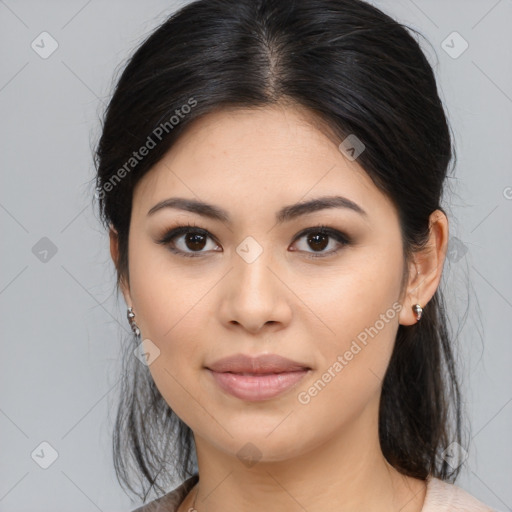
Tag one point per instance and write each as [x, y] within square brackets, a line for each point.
[170, 235]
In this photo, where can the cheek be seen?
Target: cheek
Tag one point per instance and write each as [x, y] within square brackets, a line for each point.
[361, 311]
[352, 373]
[170, 315]
[175, 332]
[362, 296]
[164, 294]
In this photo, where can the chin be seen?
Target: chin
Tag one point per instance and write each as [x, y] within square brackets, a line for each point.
[251, 444]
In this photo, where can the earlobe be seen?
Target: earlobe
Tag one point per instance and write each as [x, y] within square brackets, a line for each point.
[426, 270]
[412, 306]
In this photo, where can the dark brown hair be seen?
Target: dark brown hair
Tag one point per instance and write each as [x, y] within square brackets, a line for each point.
[359, 72]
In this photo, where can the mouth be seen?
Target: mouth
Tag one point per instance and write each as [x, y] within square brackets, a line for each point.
[263, 377]
[262, 364]
[257, 386]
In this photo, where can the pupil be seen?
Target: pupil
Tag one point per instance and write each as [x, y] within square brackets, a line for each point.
[195, 241]
[314, 239]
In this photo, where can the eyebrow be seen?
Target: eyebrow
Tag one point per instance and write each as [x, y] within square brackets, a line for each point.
[285, 214]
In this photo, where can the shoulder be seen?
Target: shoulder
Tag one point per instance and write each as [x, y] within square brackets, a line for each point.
[442, 496]
[172, 500]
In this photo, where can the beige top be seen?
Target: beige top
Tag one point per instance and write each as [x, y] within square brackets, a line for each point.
[440, 497]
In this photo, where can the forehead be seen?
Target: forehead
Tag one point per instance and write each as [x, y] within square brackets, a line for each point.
[259, 158]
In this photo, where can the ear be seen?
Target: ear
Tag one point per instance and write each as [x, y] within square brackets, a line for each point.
[426, 268]
[114, 253]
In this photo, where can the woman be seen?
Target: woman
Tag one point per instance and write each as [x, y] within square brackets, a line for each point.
[271, 175]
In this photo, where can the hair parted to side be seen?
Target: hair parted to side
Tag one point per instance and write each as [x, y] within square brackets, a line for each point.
[359, 72]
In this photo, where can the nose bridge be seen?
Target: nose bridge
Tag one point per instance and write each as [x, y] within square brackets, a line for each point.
[252, 262]
[255, 295]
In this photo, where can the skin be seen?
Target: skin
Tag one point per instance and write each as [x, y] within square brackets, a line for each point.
[197, 310]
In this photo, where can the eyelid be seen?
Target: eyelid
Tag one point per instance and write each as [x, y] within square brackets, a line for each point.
[182, 229]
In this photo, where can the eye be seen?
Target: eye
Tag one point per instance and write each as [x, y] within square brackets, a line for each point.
[318, 239]
[193, 238]
[182, 239]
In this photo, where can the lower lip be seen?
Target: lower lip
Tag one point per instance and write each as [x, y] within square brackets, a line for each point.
[257, 387]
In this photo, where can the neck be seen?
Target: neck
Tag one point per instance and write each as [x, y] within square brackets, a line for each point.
[346, 473]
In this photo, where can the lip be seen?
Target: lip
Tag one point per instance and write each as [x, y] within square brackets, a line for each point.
[262, 364]
[257, 378]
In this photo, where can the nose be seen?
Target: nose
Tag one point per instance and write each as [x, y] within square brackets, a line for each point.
[255, 296]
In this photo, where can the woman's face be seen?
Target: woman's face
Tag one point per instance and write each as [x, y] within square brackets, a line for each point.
[257, 284]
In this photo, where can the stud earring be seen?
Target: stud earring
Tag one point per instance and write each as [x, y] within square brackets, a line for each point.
[131, 315]
[418, 310]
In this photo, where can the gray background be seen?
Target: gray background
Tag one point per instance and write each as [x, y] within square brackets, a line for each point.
[62, 328]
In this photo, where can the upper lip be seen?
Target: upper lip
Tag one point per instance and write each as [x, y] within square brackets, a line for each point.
[262, 364]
